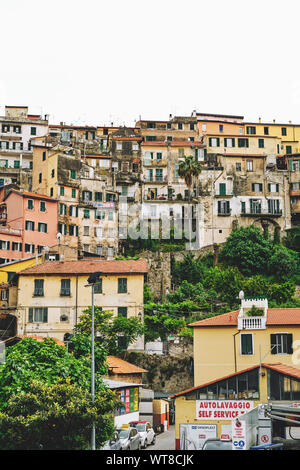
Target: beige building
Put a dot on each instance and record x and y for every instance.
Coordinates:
(53, 295)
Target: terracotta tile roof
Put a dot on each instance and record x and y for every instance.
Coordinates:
(119, 366)
(28, 194)
(275, 316)
(86, 267)
(277, 366)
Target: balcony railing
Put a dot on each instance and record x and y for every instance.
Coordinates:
(252, 323)
(155, 179)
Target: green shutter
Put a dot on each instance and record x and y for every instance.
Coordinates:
(30, 315)
(289, 343)
(45, 314)
(225, 142)
(222, 189)
(273, 344)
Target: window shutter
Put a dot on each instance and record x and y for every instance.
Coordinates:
(218, 142)
(289, 343)
(260, 187)
(253, 187)
(219, 206)
(273, 344)
(209, 141)
(269, 187)
(45, 314)
(233, 142)
(30, 315)
(277, 188)
(247, 143)
(225, 142)
(291, 165)
(227, 207)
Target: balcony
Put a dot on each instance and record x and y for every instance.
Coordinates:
(155, 179)
(155, 163)
(246, 318)
(252, 323)
(10, 231)
(262, 214)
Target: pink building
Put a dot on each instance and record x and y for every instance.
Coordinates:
(28, 222)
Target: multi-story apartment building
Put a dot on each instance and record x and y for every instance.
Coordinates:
(28, 223)
(53, 295)
(17, 128)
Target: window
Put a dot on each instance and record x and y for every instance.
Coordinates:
(29, 248)
(40, 177)
(250, 129)
(33, 131)
(4, 294)
(151, 125)
(16, 246)
(29, 225)
(222, 189)
(73, 193)
(204, 127)
(180, 126)
(42, 227)
(243, 209)
(16, 164)
(158, 156)
(119, 146)
(281, 343)
(266, 130)
(238, 167)
(135, 147)
(62, 209)
(44, 156)
(122, 312)
(98, 196)
(42, 206)
(122, 285)
(257, 187)
(51, 192)
(150, 138)
(110, 251)
(249, 165)
(38, 287)
(17, 129)
(261, 143)
(4, 245)
(273, 187)
(229, 142)
(99, 250)
(38, 315)
(30, 204)
(52, 173)
(220, 127)
(255, 206)
(72, 174)
(5, 128)
(62, 191)
(86, 213)
(192, 127)
(71, 230)
(283, 131)
(169, 138)
(214, 142)
(65, 287)
(246, 344)
(87, 196)
(274, 206)
(86, 230)
(99, 232)
(288, 149)
(223, 207)
(243, 142)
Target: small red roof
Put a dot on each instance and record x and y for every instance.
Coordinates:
(275, 316)
(120, 366)
(31, 195)
(86, 267)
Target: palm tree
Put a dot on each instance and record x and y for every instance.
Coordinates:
(188, 169)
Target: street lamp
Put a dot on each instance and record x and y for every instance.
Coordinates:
(93, 279)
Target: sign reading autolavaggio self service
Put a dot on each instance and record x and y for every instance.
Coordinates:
(222, 409)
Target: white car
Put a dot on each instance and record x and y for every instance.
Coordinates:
(146, 432)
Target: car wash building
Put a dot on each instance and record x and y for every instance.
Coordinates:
(208, 410)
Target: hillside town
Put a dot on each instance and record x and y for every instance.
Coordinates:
(172, 249)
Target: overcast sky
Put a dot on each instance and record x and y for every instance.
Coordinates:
(97, 62)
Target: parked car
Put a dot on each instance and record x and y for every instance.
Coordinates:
(217, 444)
(114, 443)
(130, 438)
(147, 434)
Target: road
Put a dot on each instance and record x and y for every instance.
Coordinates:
(165, 440)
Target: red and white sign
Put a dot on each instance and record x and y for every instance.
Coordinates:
(264, 438)
(238, 435)
(222, 409)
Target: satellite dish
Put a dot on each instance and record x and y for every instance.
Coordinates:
(241, 295)
(58, 235)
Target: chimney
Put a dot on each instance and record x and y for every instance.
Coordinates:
(259, 120)
(274, 121)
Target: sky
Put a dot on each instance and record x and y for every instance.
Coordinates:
(95, 62)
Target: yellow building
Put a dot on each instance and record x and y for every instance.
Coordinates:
(233, 341)
(8, 270)
(208, 410)
(53, 295)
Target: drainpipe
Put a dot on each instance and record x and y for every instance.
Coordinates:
(234, 348)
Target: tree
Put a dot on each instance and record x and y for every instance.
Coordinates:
(115, 334)
(56, 417)
(283, 262)
(248, 250)
(188, 169)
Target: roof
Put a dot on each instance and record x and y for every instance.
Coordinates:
(275, 316)
(86, 267)
(114, 384)
(28, 194)
(277, 366)
(120, 366)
